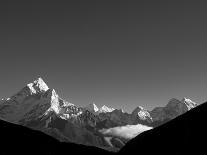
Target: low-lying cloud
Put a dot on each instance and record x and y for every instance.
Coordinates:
(127, 132)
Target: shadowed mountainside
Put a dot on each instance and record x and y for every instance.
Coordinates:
(185, 134)
(16, 139)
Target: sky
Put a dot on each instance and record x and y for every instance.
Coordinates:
(121, 54)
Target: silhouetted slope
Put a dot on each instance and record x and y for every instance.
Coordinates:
(186, 134)
(16, 139)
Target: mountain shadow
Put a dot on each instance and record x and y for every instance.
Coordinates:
(16, 139)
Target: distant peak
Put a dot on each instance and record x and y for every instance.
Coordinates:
(54, 93)
(39, 79)
(40, 82)
(140, 107)
(92, 107)
(104, 106)
(142, 113)
(173, 100)
(106, 109)
(95, 107)
(189, 103)
(38, 86)
(187, 99)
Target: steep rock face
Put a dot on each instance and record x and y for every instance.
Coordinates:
(34, 96)
(158, 114)
(92, 108)
(115, 118)
(37, 86)
(141, 115)
(173, 109)
(75, 132)
(190, 104)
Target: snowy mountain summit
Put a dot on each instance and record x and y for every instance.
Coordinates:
(189, 103)
(143, 114)
(92, 107)
(38, 86)
(105, 109)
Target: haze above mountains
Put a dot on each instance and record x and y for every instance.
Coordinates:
(143, 60)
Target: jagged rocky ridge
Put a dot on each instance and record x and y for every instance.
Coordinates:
(38, 107)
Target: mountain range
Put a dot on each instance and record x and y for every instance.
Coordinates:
(184, 135)
(38, 107)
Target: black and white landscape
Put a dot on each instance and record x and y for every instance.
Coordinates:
(38, 107)
(103, 77)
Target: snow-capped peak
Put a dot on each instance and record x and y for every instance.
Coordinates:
(189, 103)
(3, 99)
(142, 113)
(105, 109)
(38, 86)
(92, 107)
(140, 107)
(95, 107)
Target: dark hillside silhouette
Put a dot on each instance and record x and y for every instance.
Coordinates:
(186, 134)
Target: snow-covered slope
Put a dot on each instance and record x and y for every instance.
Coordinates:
(141, 114)
(33, 95)
(105, 109)
(37, 86)
(92, 108)
(189, 103)
(36, 99)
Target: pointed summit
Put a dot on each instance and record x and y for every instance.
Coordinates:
(142, 113)
(38, 86)
(95, 107)
(92, 107)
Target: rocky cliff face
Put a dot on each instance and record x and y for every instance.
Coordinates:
(173, 109)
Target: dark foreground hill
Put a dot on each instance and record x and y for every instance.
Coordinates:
(186, 134)
(16, 139)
